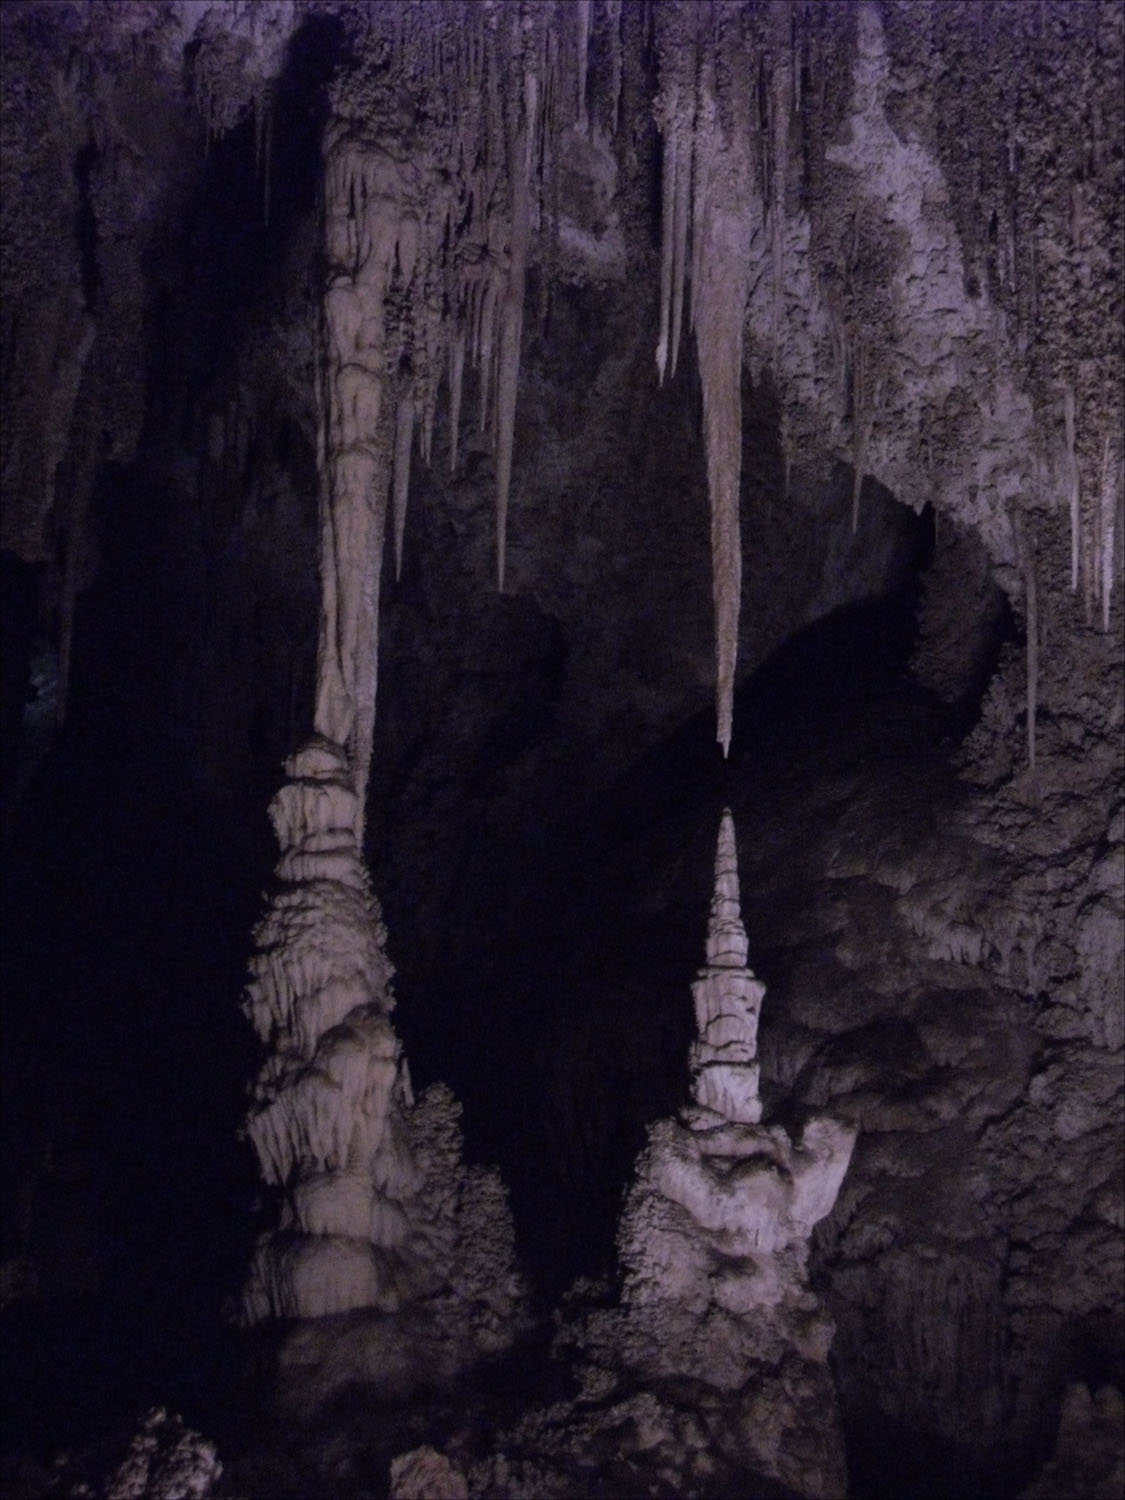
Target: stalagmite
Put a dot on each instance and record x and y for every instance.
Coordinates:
(714, 1237)
(511, 315)
(381, 1217)
(727, 1000)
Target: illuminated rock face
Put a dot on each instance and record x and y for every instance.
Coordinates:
(380, 1217)
(329, 1102)
(714, 1237)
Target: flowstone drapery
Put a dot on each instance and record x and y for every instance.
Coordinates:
(714, 1239)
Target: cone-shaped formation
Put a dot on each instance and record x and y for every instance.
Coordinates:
(708, 224)
(727, 1001)
(714, 1238)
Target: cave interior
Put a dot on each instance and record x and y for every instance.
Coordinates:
(860, 520)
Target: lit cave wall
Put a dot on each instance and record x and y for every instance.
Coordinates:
(452, 451)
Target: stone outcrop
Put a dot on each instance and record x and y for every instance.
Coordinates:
(1089, 1458)
(166, 1461)
(714, 1237)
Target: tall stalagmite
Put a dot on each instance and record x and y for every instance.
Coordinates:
(727, 1000)
(715, 1233)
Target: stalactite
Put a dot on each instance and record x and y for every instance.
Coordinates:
(262, 109)
(511, 313)
(584, 13)
(456, 379)
(667, 237)
(707, 194)
(681, 209)
(82, 485)
(723, 228)
(485, 341)
(1107, 516)
(1025, 553)
(364, 231)
(1032, 651)
(859, 425)
(404, 437)
(613, 19)
(867, 384)
(1073, 484)
(675, 111)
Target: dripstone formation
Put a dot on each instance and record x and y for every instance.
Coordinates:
(714, 1238)
(534, 373)
(379, 1215)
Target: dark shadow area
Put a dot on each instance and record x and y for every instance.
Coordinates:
(131, 882)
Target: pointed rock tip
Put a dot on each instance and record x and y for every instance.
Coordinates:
(727, 891)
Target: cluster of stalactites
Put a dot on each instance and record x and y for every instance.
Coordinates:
(1095, 515)
(427, 257)
(728, 999)
(709, 187)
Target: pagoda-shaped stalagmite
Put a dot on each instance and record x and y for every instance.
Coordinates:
(714, 1240)
(727, 1001)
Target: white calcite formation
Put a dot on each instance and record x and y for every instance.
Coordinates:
(328, 1108)
(166, 1461)
(714, 1237)
(707, 227)
(380, 1217)
(727, 1001)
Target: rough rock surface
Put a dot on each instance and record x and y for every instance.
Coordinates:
(944, 958)
(166, 1461)
(1089, 1456)
(425, 1474)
